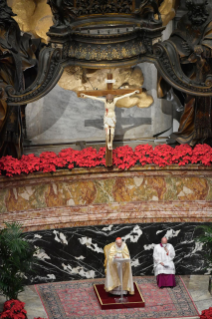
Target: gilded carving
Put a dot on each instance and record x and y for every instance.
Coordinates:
(102, 7)
(106, 52)
(33, 16)
(36, 16)
(167, 11)
(78, 79)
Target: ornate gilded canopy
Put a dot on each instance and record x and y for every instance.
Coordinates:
(105, 33)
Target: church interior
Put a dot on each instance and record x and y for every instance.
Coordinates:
(105, 159)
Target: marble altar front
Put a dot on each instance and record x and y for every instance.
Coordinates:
(100, 196)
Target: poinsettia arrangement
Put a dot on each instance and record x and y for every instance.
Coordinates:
(206, 314)
(124, 158)
(13, 309)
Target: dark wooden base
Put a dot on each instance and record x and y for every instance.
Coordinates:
(108, 301)
(109, 157)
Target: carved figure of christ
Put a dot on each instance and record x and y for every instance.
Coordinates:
(110, 115)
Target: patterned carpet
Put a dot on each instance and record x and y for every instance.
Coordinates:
(77, 299)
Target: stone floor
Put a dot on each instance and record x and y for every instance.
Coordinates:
(198, 289)
(197, 286)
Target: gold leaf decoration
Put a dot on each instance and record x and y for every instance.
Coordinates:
(33, 16)
(167, 11)
(77, 79)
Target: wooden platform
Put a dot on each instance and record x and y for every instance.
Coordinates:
(107, 300)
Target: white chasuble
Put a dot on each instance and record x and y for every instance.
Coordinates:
(112, 280)
(160, 255)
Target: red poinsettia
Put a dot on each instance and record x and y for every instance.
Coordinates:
(144, 154)
(202, 153)
(48, 161)
(206, 314)
(88, 157)
(10, 165)
(124, 157)
(13, 309)
(182, 154)
(29, 163)
(101, 156)
(67, 156)
(162, 155)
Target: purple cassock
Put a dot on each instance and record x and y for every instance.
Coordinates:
(164, 280)
(165, 273)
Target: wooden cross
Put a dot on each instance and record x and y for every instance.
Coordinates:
(114, 92)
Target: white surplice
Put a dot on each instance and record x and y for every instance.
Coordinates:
(160, 255)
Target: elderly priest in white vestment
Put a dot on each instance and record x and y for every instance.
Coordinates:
(164, 268)
(114, 251)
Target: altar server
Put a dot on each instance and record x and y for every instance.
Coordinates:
(164, 268)
(114, 251)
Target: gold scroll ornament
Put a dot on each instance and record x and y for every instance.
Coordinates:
(35, 16)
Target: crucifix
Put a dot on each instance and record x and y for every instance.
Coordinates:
(110, 116)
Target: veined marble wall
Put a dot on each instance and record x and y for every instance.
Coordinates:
(77, 253)
(102, 196)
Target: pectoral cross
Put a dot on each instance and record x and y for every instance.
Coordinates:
(109, 109)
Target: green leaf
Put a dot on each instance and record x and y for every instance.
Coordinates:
(16, 259)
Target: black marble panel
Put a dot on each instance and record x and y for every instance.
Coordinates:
(77, 253)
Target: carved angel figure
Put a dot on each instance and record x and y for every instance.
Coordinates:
(18, 53)
(193, 42)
